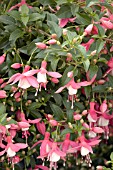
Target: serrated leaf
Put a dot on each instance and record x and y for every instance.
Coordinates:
(2, 108)
(99, 45)
(90, 3)
(7, 19)
(65, 131)
(87, 91)
(15, 14)
(82, 50)
(57, 111)
(25, 19)
(58, 99)
(83, 18)
(74, 9)
(54, 28)
(69, 115)
(93, 70)
(99, 88)
(64, 12)
(86, 64)
(35, 17)
(15, 35)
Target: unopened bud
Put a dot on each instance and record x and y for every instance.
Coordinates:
(54, 36)
(64, 32)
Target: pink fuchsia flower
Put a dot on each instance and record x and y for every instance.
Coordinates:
(41, 127)
(42, 75)
(106, 23)
(54, 155)
(73, 87)
(91, 29)
(16, 65)
(92, 115)
(110, 65)
(41, 45)
(11, 148)
(67, 143)
(2, 94)
(63, 22)
(41, 167)
(2, 58)
(88, 44)
(45, 146)
(23, 2)
(26, 79)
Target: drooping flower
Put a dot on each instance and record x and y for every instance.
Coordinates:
(2, 94)
(42, 75)
(12, 148)
(88, 44)
(63, 22)
(73, 87)
(23, 2)
(26, 79)
(2, 58)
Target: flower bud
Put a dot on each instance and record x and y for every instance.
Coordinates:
(2, 58)
(54, 80)
(53, 122)
(84, 112)
(41, 45)
(99, 167)
(3, 85)
(54, 36)
(64, 32)
(77, 117)
(52, 41)
(1, 80)
(16, 65)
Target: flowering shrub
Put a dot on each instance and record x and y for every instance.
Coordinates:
(56, 82)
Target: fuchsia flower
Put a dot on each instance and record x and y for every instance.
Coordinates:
(84, 145)
(54, 155)
(23, 2)
(73, 87)
(92, 115)
(91, 29)
(106, 23)
(16, 65)
(88, 44)
(110, 64)
(63, 22)
(2, 94)
(26, 79)
(45, 146)
(2, 58)
(42, 75)
(11, 148)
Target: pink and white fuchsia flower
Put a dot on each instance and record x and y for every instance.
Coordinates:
(26, 79)
(73, 87)
(42, 75)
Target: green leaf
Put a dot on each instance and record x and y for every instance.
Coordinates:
(110, 80)
(82, 50)
(15, 14)
(83, 18)
(69, 115)
(58, 99)
(93, 70)
(25, 19)
(111, 156)
(87, 91)
(2, 108)
(64, 12)
(86, 64)
(101, 31)
(15, 35)
(90, 3)
(7, 19)
(79, 105)
(35, 17)
(34, 105)
(74, 9)
(24, 14)
(71, 35)
(99, 45)
(65, 131)
(99, 88)
(57, 111)
(54, 28)
(2, 118)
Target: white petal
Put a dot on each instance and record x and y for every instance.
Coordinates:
(48, 148)
(103, 122)
(41, 78)
(10, 152)
(54, 157)
(71, 91)
(92, 134)
(84, 151)
(90, 118)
